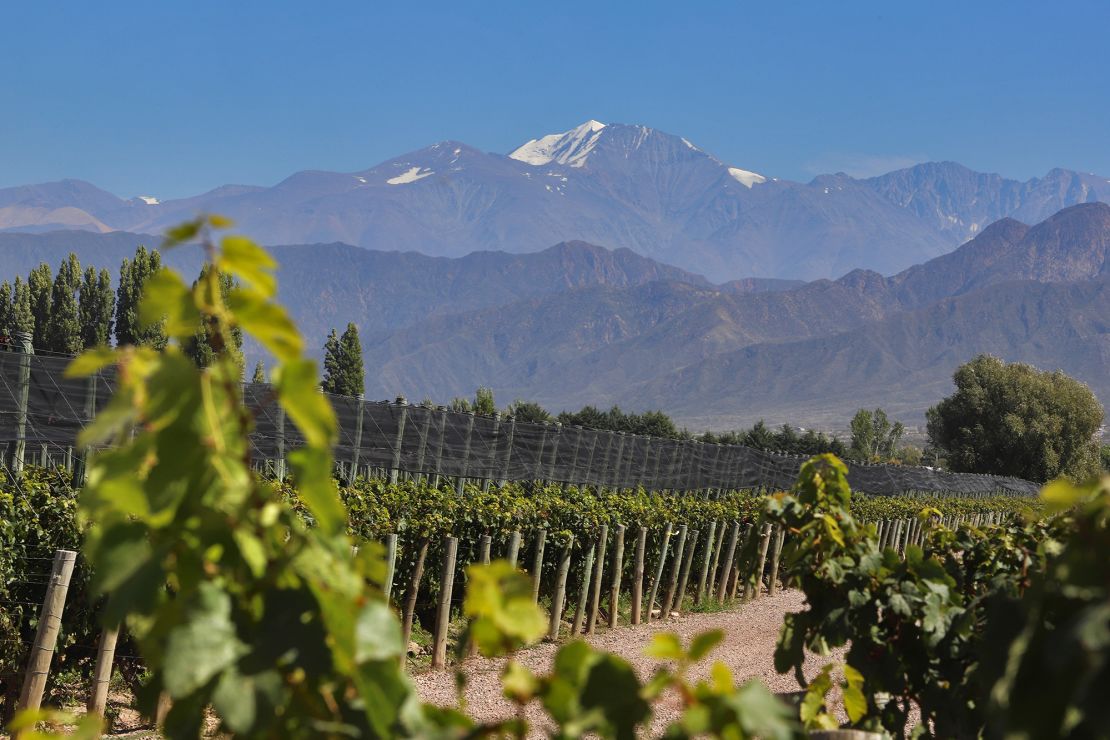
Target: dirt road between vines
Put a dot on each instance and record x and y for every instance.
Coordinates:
(748, 649)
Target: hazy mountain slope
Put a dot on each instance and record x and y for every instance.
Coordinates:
(327, 285)
(617, 185)
(903, 363)
(604, 344)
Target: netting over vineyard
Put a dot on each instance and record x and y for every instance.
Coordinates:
(46, 410)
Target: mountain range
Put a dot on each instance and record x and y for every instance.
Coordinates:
(577, 323)
(621, 186)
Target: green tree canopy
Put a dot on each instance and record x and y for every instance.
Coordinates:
(63, 328)
(528, 411)
(133, 274)
(652, 423)
(206, 343)
(1012, 419)
(259, 373)
(96, 308)
(786, 439)
(874, 437)
(23, 315)
(343, 370)
(40, 284)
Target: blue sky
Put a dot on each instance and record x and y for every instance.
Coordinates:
(170, 99)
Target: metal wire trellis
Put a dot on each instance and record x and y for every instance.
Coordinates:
(42, 412)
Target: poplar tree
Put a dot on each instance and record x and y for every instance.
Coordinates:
(6, 311)
(40, 285)
(23, 316)
(201, 347)
(133, 274)
(63, 328)
(343, 371)
(96, 307)
(259, 373)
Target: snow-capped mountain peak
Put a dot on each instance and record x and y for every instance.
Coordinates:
(569, 148)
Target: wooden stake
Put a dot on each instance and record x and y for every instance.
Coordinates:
(764, 544)
(722, 583)
(443, 612)
(102, 673)
(46, 635)
(676, 571)
(685, 576)
(390, 564)
(615, 584)
(537, 564)
(659, 565)
(638, 575)
(559, 595)
(776, 554)
(413, 591)
(706, 557)
(584, 590)
(514, 548)
(599, 571)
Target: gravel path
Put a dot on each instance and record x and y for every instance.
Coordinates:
(748, 649)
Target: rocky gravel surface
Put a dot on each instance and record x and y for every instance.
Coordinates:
(748, 649)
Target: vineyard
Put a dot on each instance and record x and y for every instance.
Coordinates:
(286, 601)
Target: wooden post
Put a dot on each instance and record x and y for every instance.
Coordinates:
(776, 554)
(764, 544)
(537, 564)
(508, 450)
(22, 398)
(708, 554)
(461, 482)
(638, 575)
(390, 564)
(50, 623)
(684, 578)
(443, 612)
(414, 590)
(496, 438)
(395, 470)
(615, 583)
(599, 571)
(102, 673)
(676, 571)
(483, 558)
(356, 447)
(659, 565)
(439, 445)
(722, 583)
(734, 580)
(81, 463)
(514, 548)
(560, 590)
(279, 443)
(711, 587)
(584, 590)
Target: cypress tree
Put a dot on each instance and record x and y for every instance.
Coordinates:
(343, 371)
(133, 274)
(201, 347)
(6, 312)
(23, 316)
(96, 307)
(259, 373)
(331, 363)
(353, 379)
(63, 329)
(40, 284)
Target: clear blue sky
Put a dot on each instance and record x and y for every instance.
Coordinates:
(172, 98)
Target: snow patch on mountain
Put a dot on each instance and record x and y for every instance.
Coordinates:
(746, 178)
(410, 175)
(150, 200)
(569, 148)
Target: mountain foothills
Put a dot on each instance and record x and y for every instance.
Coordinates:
(579, 324)
(623, 186)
